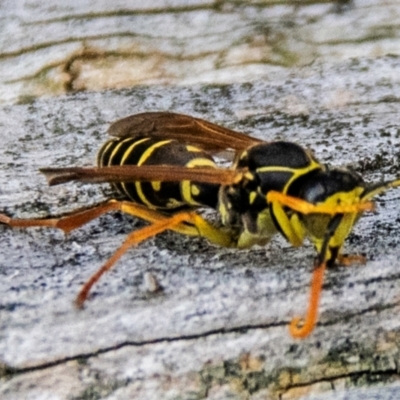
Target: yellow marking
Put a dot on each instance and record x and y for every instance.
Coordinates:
(215, 235)
(316, 229)
(351, 197)
(223, 213)
(272, 168)
(100, 155)
(193, 149)
(185, 185)
(129, 150)
(290, 229)
(265, 229)
(252, 197)
(126, 155)
(244, 155)
(195, 190)
(200, 162)
(296, 172)
(298, 227)
(248, 239)
(249, 176)
(156, 185)
(186, 193)
(143, 158)
(173, 203)
(118, 148)
(150, 150)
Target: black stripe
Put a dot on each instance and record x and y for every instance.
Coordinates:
(170, 153)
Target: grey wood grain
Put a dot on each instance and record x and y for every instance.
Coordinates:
(54, 47)
(219, 327)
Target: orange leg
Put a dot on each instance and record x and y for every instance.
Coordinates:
(348, 260)
(133, 239)
(188, 223)
(300, 328)
(77, 219)
(66, 223)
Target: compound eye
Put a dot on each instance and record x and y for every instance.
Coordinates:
(314, 193)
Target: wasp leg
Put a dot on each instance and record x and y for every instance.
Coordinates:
(133, 239)
(305, 207)
(195, 226)
(66, 223)
(300, 328)
(76, 219)
(188, 223)
(290, 226)
(350, 259)
(177, 223)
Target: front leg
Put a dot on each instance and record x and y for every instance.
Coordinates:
(348, 260)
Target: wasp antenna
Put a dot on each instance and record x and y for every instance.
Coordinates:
(379, 188)
(57, 176)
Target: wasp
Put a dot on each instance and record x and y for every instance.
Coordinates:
(164, 165)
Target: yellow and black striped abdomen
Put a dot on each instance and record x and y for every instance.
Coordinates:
(156, 194)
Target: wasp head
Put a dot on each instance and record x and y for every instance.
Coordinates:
(331, 188)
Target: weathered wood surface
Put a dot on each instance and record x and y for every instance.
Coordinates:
(52, 47)
(219, 327)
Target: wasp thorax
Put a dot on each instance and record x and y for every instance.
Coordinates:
(275, 154)
(277, 165)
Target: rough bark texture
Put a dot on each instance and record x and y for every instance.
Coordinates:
(218, 329)
(52, 47)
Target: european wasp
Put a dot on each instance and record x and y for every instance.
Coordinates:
(164, 166)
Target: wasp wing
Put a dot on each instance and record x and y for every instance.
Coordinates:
(143, 173)
(187, 129)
